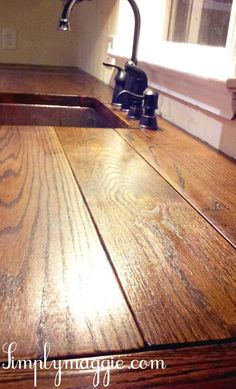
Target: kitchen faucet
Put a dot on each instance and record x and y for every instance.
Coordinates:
(131, 78)
(64, 23)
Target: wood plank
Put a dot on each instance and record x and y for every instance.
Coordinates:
(56, 110)
(205, 178)
(56, 284)
(18, 80)
(177, 271)
(62, 82)
(211, 367)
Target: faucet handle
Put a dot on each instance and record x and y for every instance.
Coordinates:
(136, 82)
(148, 117)
(112, 66)
(120, 80)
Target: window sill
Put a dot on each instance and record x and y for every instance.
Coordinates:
(215, 96)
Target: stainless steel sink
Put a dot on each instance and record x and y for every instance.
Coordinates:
(51, 110)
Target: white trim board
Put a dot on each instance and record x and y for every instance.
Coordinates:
(215, 96)
(217, 132)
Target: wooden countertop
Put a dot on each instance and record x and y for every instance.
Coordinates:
(115, 242)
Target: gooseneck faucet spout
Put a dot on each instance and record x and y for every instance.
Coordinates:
(64, 23)
(137, 25)
(131, 79)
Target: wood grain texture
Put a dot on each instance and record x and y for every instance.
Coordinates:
(206, 367)
(205, 178)
(56, 284)
(56, 110)
(177, 271)
(42, 80)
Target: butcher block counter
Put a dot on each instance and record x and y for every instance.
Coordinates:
(115, 243)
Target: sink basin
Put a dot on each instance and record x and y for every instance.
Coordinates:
(56, 110)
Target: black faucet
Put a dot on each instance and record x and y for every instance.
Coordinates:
(64, 22)
(145, 112)
(131, 78)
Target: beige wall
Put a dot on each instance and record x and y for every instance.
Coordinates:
(96, 21)
(39, 41)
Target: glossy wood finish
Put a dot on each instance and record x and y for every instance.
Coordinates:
(49, 81)
(56, 284)
(206, 367)
(189, 165)
(205, 178)
(177, 271)
(56, 110)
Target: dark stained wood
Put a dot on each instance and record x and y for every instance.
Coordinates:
(52, 100)
(206, 367)
(40, 80)
(56, 284)
(177, 271)
(56, 110)
(205, 178)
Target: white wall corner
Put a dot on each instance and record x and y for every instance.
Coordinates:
(208, 94)
(205, 108)
(211, 95)
(217, 132)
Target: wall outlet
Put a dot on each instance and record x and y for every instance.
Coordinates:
(9, 38)
(110, 43)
